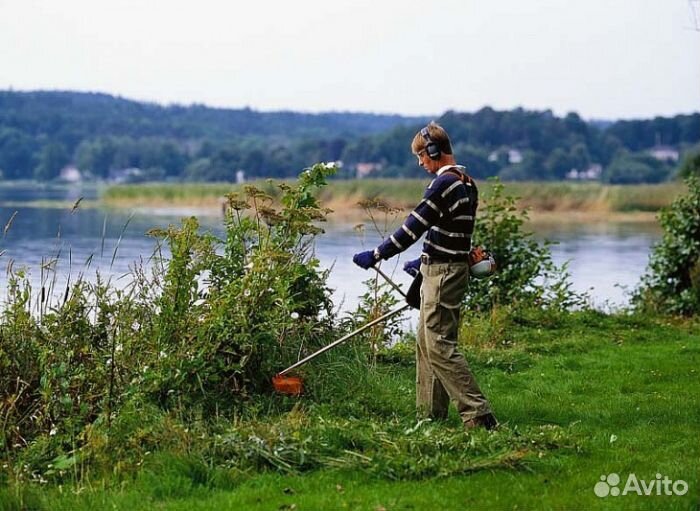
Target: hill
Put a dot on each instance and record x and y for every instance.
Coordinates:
(109, 137)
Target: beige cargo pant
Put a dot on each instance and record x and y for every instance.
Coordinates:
(442, 373)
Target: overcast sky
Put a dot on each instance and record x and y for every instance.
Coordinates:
(602, 58)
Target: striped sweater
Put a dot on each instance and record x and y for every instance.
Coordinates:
(446, 212)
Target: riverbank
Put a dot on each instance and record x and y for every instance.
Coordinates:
(547, 202)
(580, 396)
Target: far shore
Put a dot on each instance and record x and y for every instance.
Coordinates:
(546, 203)
(550, 202)
(344, 212)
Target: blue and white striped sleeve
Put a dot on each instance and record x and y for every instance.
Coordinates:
(425, 215)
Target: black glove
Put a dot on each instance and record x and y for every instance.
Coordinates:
(412, 267)
(364, 260)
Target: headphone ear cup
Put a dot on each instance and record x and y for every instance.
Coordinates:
(433, 151)
(431, 147)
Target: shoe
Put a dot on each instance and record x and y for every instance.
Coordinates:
(487, 422)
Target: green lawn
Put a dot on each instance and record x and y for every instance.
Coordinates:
(580, 395)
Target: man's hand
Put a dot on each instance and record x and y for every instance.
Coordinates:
(364, 260)
(412, 267)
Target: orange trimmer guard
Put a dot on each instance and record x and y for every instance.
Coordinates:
(291, 385)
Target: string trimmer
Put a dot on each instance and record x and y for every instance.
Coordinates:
(293, 385)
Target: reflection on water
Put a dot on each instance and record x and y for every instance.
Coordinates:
(604, 259)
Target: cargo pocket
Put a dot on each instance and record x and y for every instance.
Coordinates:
(450, 295)
(432, 285)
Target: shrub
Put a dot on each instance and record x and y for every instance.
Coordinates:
(203, 331)
(526, 273)
(671, 283)
(265, 301)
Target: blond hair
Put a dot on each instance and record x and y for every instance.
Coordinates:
(437, 134)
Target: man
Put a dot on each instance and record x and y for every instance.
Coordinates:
(447, 213)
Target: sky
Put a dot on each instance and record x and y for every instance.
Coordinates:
(605, 59)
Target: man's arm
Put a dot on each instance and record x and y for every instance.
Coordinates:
(425, 214)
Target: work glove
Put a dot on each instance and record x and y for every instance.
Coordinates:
(412, 267)
(364, 260)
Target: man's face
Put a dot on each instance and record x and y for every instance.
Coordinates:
(424, 161)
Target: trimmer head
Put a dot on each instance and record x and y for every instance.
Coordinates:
(291, 385)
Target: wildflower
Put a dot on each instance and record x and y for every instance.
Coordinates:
(246, 292)
(329, 164)
(53, 431)
(294, 315)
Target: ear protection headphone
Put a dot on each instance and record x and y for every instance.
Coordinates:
(431, 148)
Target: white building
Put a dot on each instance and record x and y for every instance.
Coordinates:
(512, 155)
(70, 174)
(364, 169)
(592, 173)
(664, 153)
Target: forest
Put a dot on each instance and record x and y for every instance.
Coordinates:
(116, 139)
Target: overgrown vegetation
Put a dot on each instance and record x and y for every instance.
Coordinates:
(581, 394)
(160, 391)
(199, 334)
(672, 282)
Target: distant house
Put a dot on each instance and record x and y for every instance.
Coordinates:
(364, 169)
(510, 154)
(664, 153)
(592, 173)
(125, 175)
(70, 174)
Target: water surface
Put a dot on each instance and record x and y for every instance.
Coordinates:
(605, 259)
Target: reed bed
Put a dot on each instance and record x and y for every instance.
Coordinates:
(344, 195)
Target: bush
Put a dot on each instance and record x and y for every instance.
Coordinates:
(671, 283)
(202, 332)
(526, 274)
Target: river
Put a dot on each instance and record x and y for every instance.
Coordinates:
(606, 260)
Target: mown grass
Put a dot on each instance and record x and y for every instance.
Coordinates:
(342, 195)
(579, 394)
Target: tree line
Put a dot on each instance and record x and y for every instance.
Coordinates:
(43, 132)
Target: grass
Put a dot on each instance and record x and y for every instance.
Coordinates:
(344, 195)
(580, 394)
